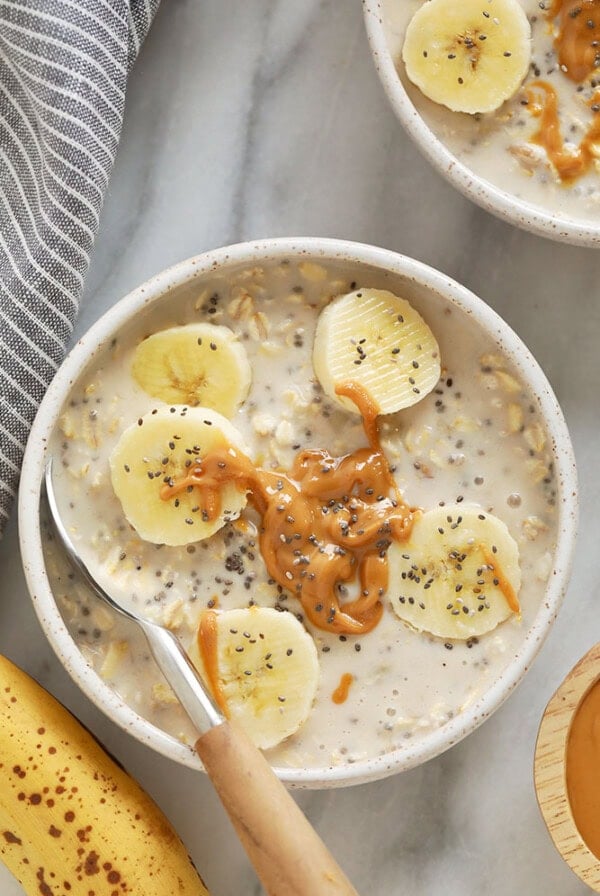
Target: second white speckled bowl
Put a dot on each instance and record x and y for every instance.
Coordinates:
(501, 203)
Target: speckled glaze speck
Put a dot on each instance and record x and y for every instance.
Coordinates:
(501, 203)
(401, 273)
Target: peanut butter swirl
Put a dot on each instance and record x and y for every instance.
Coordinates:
(577, 43)
(327, 523)
(577, 39)
(568, 163)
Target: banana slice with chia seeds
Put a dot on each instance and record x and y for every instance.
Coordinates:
(152, 471)
(377, 341)
(470, 55)
(197, 364)
(262, 668)
(458, 574)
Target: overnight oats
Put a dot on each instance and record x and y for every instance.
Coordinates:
(512, 88)
(342, 502)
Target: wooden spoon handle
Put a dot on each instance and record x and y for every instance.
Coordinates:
(288, 855)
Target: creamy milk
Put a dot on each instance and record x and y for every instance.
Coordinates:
(477, 437)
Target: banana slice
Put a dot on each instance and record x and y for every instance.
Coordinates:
(199, 364)
(468, 55)
(152, 475)
(458, 574)
(262, 668)
(373, 339)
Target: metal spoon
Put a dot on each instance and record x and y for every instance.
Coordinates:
(288, 856)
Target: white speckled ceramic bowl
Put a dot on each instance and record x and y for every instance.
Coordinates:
(386, 42)
(364, 263)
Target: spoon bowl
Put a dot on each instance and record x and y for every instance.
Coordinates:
(170, 656)
(550, 768)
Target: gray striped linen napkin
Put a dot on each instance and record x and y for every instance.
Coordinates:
(63, 74)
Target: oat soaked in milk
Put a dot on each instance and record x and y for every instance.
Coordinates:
(542, 144)
(476, 438)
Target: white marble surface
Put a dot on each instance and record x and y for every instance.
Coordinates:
(264, 119)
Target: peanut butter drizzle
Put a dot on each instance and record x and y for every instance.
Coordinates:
(582, 762)
(578, 38)
(569, 165)
(577, 43)
(340, 695)
(369, 413)
(327, 523)
(503, 584)
(207, 645)
(367, 409)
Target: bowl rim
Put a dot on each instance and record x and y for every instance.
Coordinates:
(318, 249)
(505, 205)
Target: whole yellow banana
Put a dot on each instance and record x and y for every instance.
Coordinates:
(72, 823)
